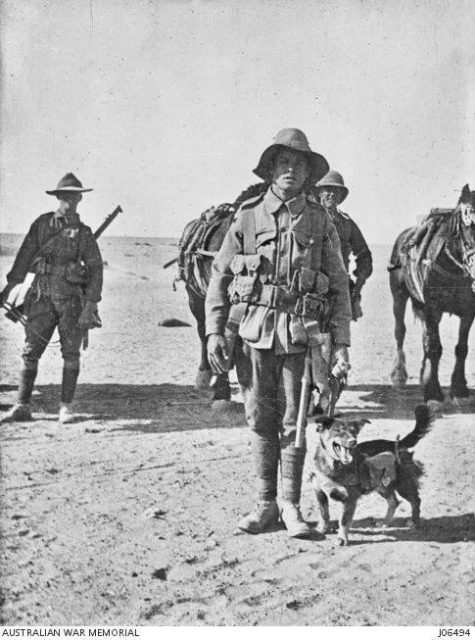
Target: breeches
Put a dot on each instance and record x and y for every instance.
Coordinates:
(272, 399)
(43, 316)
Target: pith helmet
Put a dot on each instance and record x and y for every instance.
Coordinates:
(334, 179)
(297, 141)
(68, 183)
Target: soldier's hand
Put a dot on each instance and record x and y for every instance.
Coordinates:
(356, 310)
(218, 353)
(89, 318)
(341, 360)
(5, 293)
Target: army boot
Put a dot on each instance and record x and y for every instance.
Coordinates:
(264, 516)
(66, 416)
(294, 522)
(21, 412)
(18, 413)
(68, 387)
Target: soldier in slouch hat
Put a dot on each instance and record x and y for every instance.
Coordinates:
(64, 256)
(281, 265)
(332, 191)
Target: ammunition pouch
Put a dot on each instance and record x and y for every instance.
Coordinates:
(310, 300)
(41, 266)
(76, 273)
(246, 272)
(72, 272)
(308, 305)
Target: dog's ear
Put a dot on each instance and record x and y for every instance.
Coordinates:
(323, 422)
(357, 425)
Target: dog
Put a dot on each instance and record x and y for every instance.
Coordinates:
(344, 469)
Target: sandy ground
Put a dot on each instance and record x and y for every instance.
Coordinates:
(129, 515)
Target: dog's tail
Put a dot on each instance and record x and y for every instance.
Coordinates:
(424, 423)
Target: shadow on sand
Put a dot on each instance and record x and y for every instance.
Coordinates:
(443, 529)
(154, 408)
(385, 402)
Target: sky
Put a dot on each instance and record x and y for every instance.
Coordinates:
(165, 107)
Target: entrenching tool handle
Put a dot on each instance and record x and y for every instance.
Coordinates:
(304, 402)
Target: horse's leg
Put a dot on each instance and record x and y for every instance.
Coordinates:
(432, 354)
(400, 297)
(197, 307)
(221, 388)
(458, 387)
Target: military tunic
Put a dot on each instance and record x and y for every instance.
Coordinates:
(289, 236)
(353, 242)
(50, 246)
(293, 236)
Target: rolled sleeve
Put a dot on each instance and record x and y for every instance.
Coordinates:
(25, 256)
(216, 303)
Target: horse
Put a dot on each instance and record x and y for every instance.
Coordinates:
(443, 282)
(200, 242)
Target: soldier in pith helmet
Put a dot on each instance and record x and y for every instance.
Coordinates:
(281, 265)
(64, 256)
(332, 192)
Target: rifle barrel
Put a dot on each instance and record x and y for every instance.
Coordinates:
(169, 264)
(107, 221)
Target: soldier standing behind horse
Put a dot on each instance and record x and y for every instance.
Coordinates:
(332, 192)
(281, 263)
(65, 257)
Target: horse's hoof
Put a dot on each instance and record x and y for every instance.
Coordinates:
(203, 379)
(398, 384)
(341, 542)
(399, 378)
(222, 406)
(435, 405)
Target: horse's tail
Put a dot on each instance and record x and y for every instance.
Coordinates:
(424, 423)
(417, 308)
(399, 247)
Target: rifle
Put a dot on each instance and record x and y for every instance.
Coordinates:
(110, 218)
(14, 312)
(169, 263)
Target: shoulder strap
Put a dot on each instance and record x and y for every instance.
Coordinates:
(249, 231)
(83, 240)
